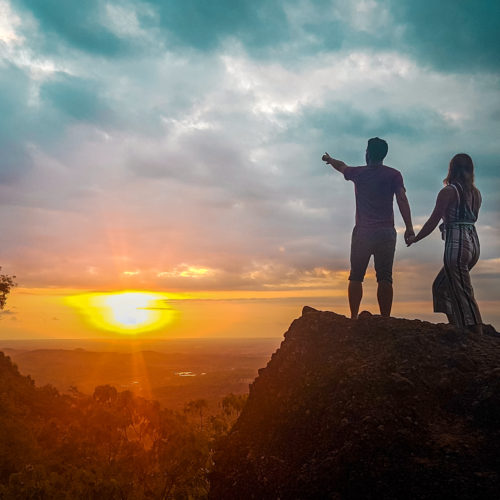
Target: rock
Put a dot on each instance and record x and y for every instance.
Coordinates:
(379, 408)
(365, 315)
(308, 310)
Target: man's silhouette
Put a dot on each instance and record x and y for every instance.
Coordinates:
(374, 233)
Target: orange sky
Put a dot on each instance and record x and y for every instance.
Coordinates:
(45, 313)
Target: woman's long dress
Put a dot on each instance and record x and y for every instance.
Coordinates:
(452, 289)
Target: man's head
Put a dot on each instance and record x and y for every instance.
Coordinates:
(376, 150)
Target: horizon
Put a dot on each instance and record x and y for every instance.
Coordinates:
(173, 151)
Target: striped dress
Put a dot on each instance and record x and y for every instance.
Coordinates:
(452, 289)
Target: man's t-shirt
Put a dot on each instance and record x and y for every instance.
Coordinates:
(375, 187)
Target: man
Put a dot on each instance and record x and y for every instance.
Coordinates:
(374, 234)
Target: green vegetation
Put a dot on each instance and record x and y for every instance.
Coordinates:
(112, 445)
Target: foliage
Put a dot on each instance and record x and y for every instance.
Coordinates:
(112, 445)
(6, 284)
(197, 407)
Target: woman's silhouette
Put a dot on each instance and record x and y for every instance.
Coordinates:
(458, 205)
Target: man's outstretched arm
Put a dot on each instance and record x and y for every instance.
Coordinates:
(336, 164)
(404, 208)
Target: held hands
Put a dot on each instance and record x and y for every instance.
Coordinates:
(411, 240)
(409, 237)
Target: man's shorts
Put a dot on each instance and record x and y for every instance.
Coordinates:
(379, 242)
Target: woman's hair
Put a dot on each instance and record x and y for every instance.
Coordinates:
(461, 170)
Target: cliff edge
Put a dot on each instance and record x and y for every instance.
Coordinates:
(374, 408)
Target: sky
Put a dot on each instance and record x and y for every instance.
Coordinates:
(176, 147)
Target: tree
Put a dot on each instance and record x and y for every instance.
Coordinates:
(233, 404)
(6, 283)
(197, 406)
(105, 394)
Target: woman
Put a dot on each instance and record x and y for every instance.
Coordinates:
(458, 205)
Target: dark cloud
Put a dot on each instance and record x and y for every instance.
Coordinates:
(203, 24)
(452, 35)
(36, 116)
(15, 117)
(342, 118)
(77, 98)
(77, 23)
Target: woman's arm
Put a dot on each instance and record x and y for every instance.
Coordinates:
(444, 198)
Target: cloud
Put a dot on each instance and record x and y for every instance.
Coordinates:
(187, 271)
(165, 138)
(15, 157)
(79, 24)
(447, 35)
(77, 98)
(204, 25)
(451, 35)
(336, 119)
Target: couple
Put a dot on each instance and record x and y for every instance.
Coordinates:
(457, 205)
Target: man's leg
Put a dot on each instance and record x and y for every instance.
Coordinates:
(355, 295)
(360, 256)
(383, 257)
(384, 297)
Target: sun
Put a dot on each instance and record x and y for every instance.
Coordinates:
(126, 312)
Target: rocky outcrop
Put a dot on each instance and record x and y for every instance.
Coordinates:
(374, 408)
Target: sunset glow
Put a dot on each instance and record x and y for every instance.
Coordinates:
(128, 312)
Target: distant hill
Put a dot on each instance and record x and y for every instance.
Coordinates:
(180, 372)
(370, 409)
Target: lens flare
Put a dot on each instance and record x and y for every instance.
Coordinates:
(127, 312)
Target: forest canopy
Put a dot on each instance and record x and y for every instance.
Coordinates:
(112, 444)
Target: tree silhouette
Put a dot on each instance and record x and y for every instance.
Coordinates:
(232, 404)
(105, 394)
(197, 406)
(6, 283)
